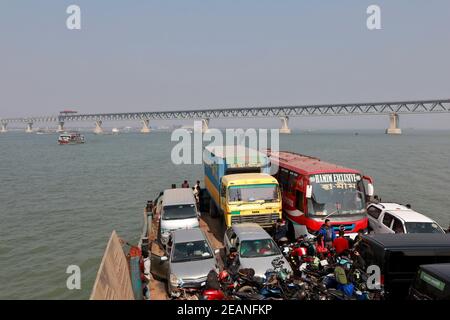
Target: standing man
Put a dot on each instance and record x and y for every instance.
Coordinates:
(341, 243)
(326, 230)
(232, 263)
(185, 184)
(358, 239)
(197, 194)
(280, 231)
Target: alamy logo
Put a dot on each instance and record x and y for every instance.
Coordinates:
(74, 280)
(374, 18)
(190, 147)
(73, 21)
(374, 279)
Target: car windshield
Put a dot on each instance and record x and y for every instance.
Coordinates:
(422, 227)
(337, 194)
(184, 211)
(190, 251)
(253, 192)
(258, 248)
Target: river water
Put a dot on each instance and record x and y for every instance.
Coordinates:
(59, 204)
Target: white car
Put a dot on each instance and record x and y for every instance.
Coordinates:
(176, 209)
(397, 218)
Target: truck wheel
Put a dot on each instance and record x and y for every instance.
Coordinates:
(212, 209)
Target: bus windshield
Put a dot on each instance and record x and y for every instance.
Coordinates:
(336, 194)
(254, 192)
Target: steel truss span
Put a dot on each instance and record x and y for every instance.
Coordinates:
(377, 108)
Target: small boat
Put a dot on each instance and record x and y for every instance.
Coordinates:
(44, 131)
(115, 131)
(70, 138)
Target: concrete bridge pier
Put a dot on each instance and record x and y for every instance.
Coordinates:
(60, 126)
(4, 125)
(29, 128)
(145, 127)
(205, 125)
(98, 127)
(285, 125)
(394, 122)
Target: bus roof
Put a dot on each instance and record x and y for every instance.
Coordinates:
(306, 164)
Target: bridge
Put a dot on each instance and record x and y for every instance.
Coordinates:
(392, 109)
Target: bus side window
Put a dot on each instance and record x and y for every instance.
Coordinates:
(292, 182)
(299, 197)
(283, 179)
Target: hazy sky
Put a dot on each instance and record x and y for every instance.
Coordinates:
(161, 55)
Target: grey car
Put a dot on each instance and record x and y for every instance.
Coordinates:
(255, 247)
(191, 259)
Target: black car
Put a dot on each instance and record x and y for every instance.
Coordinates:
(432, 283)
(400, 255)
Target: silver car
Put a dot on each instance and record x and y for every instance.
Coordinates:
(255, 247)
(177, 210)
(191, 259)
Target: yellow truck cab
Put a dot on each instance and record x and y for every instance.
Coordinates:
(241, 188)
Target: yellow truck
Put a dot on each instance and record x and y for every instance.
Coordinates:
(240, 187)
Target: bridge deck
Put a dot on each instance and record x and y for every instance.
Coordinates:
(371, 108)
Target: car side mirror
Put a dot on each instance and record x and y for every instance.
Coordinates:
(164, 258)
(309, 191)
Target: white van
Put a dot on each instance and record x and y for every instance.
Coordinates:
(397, 218)
(178, 211)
